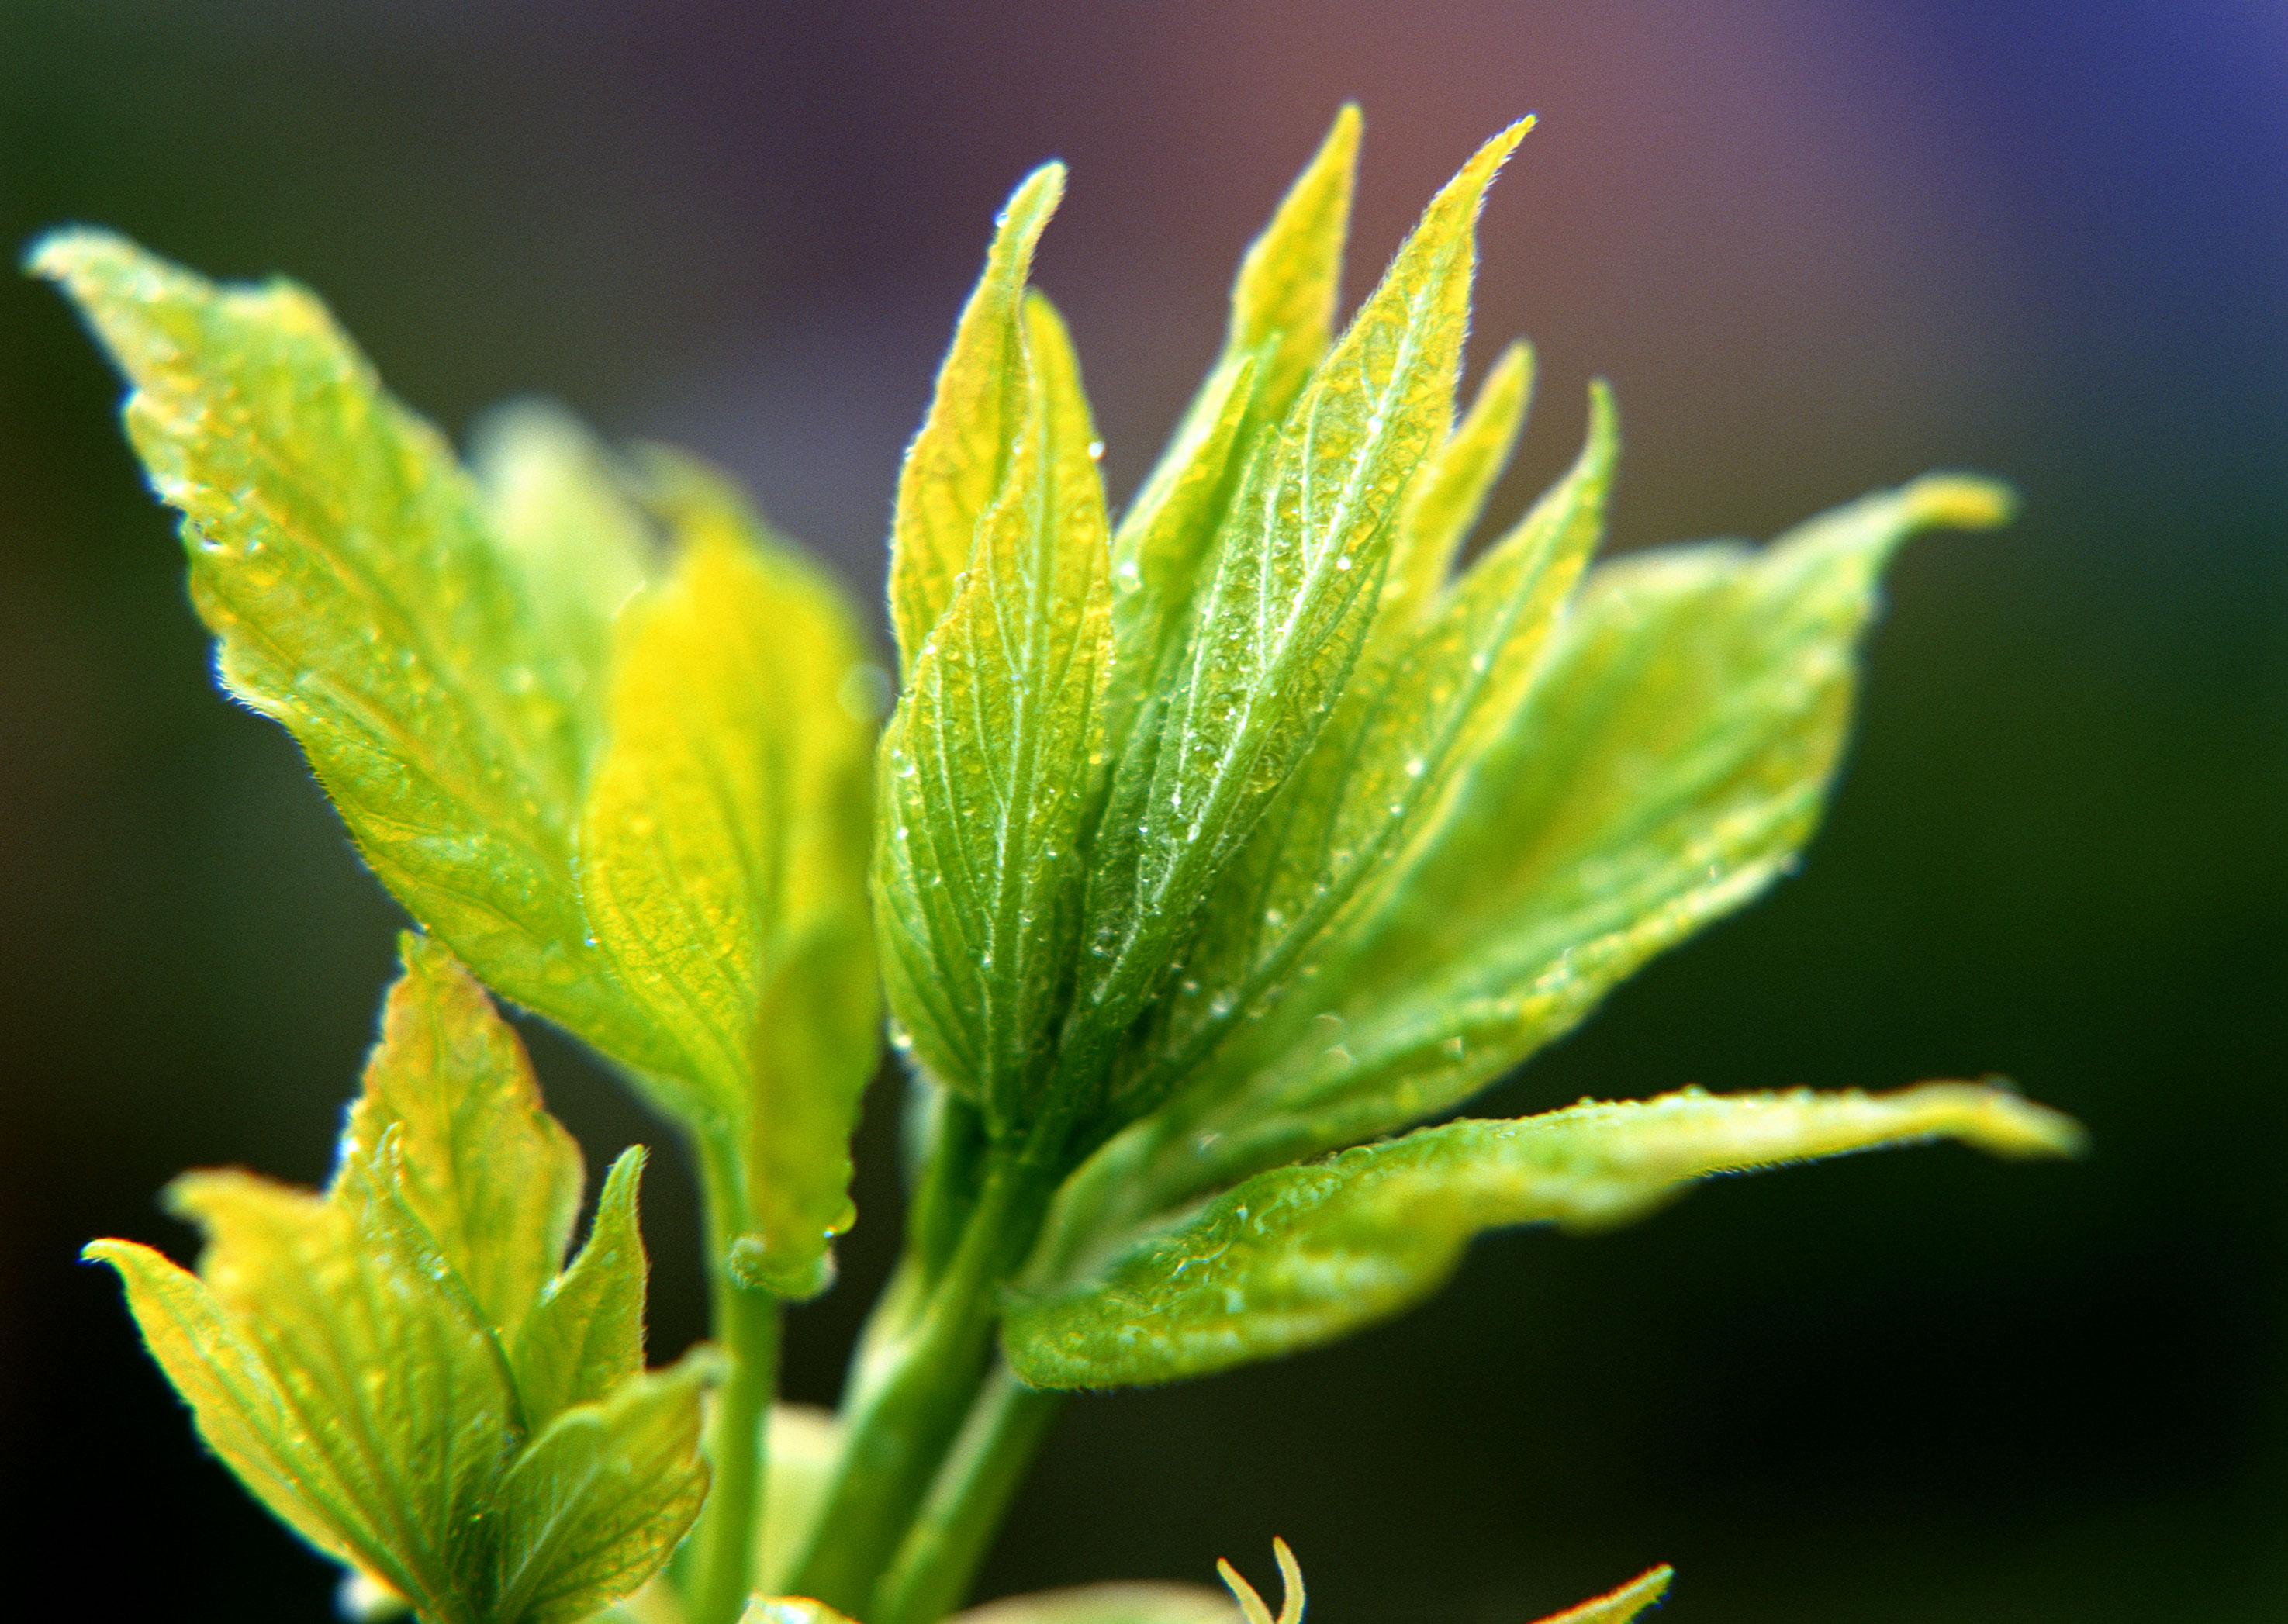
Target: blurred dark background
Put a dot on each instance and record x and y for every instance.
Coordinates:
(1819, 247)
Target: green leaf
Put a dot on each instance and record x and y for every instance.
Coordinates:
(345, 1354)
(1667, 762)
(1301, 1255)
(1408, 732)
(596, 1504)
(492, 1178)
(805, 1442)
(586, 1335)
(1276, 626)
(1284, 300)
(723, 852)
(351, 572)
(1129, 1602)
(954, 468)
(1283, 313)
(994, 762)
(1619, 1606)
(1449, 493)
(580, 549)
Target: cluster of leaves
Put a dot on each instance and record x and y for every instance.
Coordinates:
(398, 1368)
(1208, 849)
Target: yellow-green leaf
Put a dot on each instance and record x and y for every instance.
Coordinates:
(351, 572)
(723, 853)
(1300, 1256)
(586, 1335)
(342, 1352)
(1283, 299)
(1409, 734)
(994, 762)
(1283, 313)
(597, 1502)
(1120, 1602)
(954, 465)
(1280, 616)
(1668, 761)
(492, 1176)
(1619, 1606)
(1449, 493)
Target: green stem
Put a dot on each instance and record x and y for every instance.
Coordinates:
(920, 1385)
(746, 1326)
(939, 1559)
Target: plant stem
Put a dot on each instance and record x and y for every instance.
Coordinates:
(746, 1326)
(939, 1556)
(920, 1386)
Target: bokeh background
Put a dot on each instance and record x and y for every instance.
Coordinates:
(1818, 247)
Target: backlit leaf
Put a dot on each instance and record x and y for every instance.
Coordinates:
(350, 570)
(1619, 1606)
(347, 1355)
(994, 761)
(1300, 1256)
(723, 853)
(1449, 493)
(1280, 615)
(954, 468)
(1667, 762)
(1283, 313)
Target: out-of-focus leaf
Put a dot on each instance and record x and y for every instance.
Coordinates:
(346, 1355)
(1619, 1606)
(791, 1610)
(723, 854)
(1250, 1602)
(350, 573)
(1280, 616)
(805, 1443)
(994, 762)
(1132, 1601)
(580, 548)
(1449, 493)
(954, 468)
(1300, 1256)
(1667, 762)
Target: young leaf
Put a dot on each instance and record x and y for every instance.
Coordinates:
(595, 1505)
(1281, 616)
(1408, 730)
(346, 1355)
(723, 852)
(954, 468)
(1250, 1602)
(565, 525)
(351, 574)
(493, 1178)
(1451, 491)
(994, 761)
(586, 1335)
(1283, 299)
(1301, 1255)
(1619, 1606)
(1667, 762)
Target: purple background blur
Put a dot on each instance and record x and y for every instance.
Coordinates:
(1817, 246)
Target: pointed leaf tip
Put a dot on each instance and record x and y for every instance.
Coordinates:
(1959, 501)
(1622, 1605)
